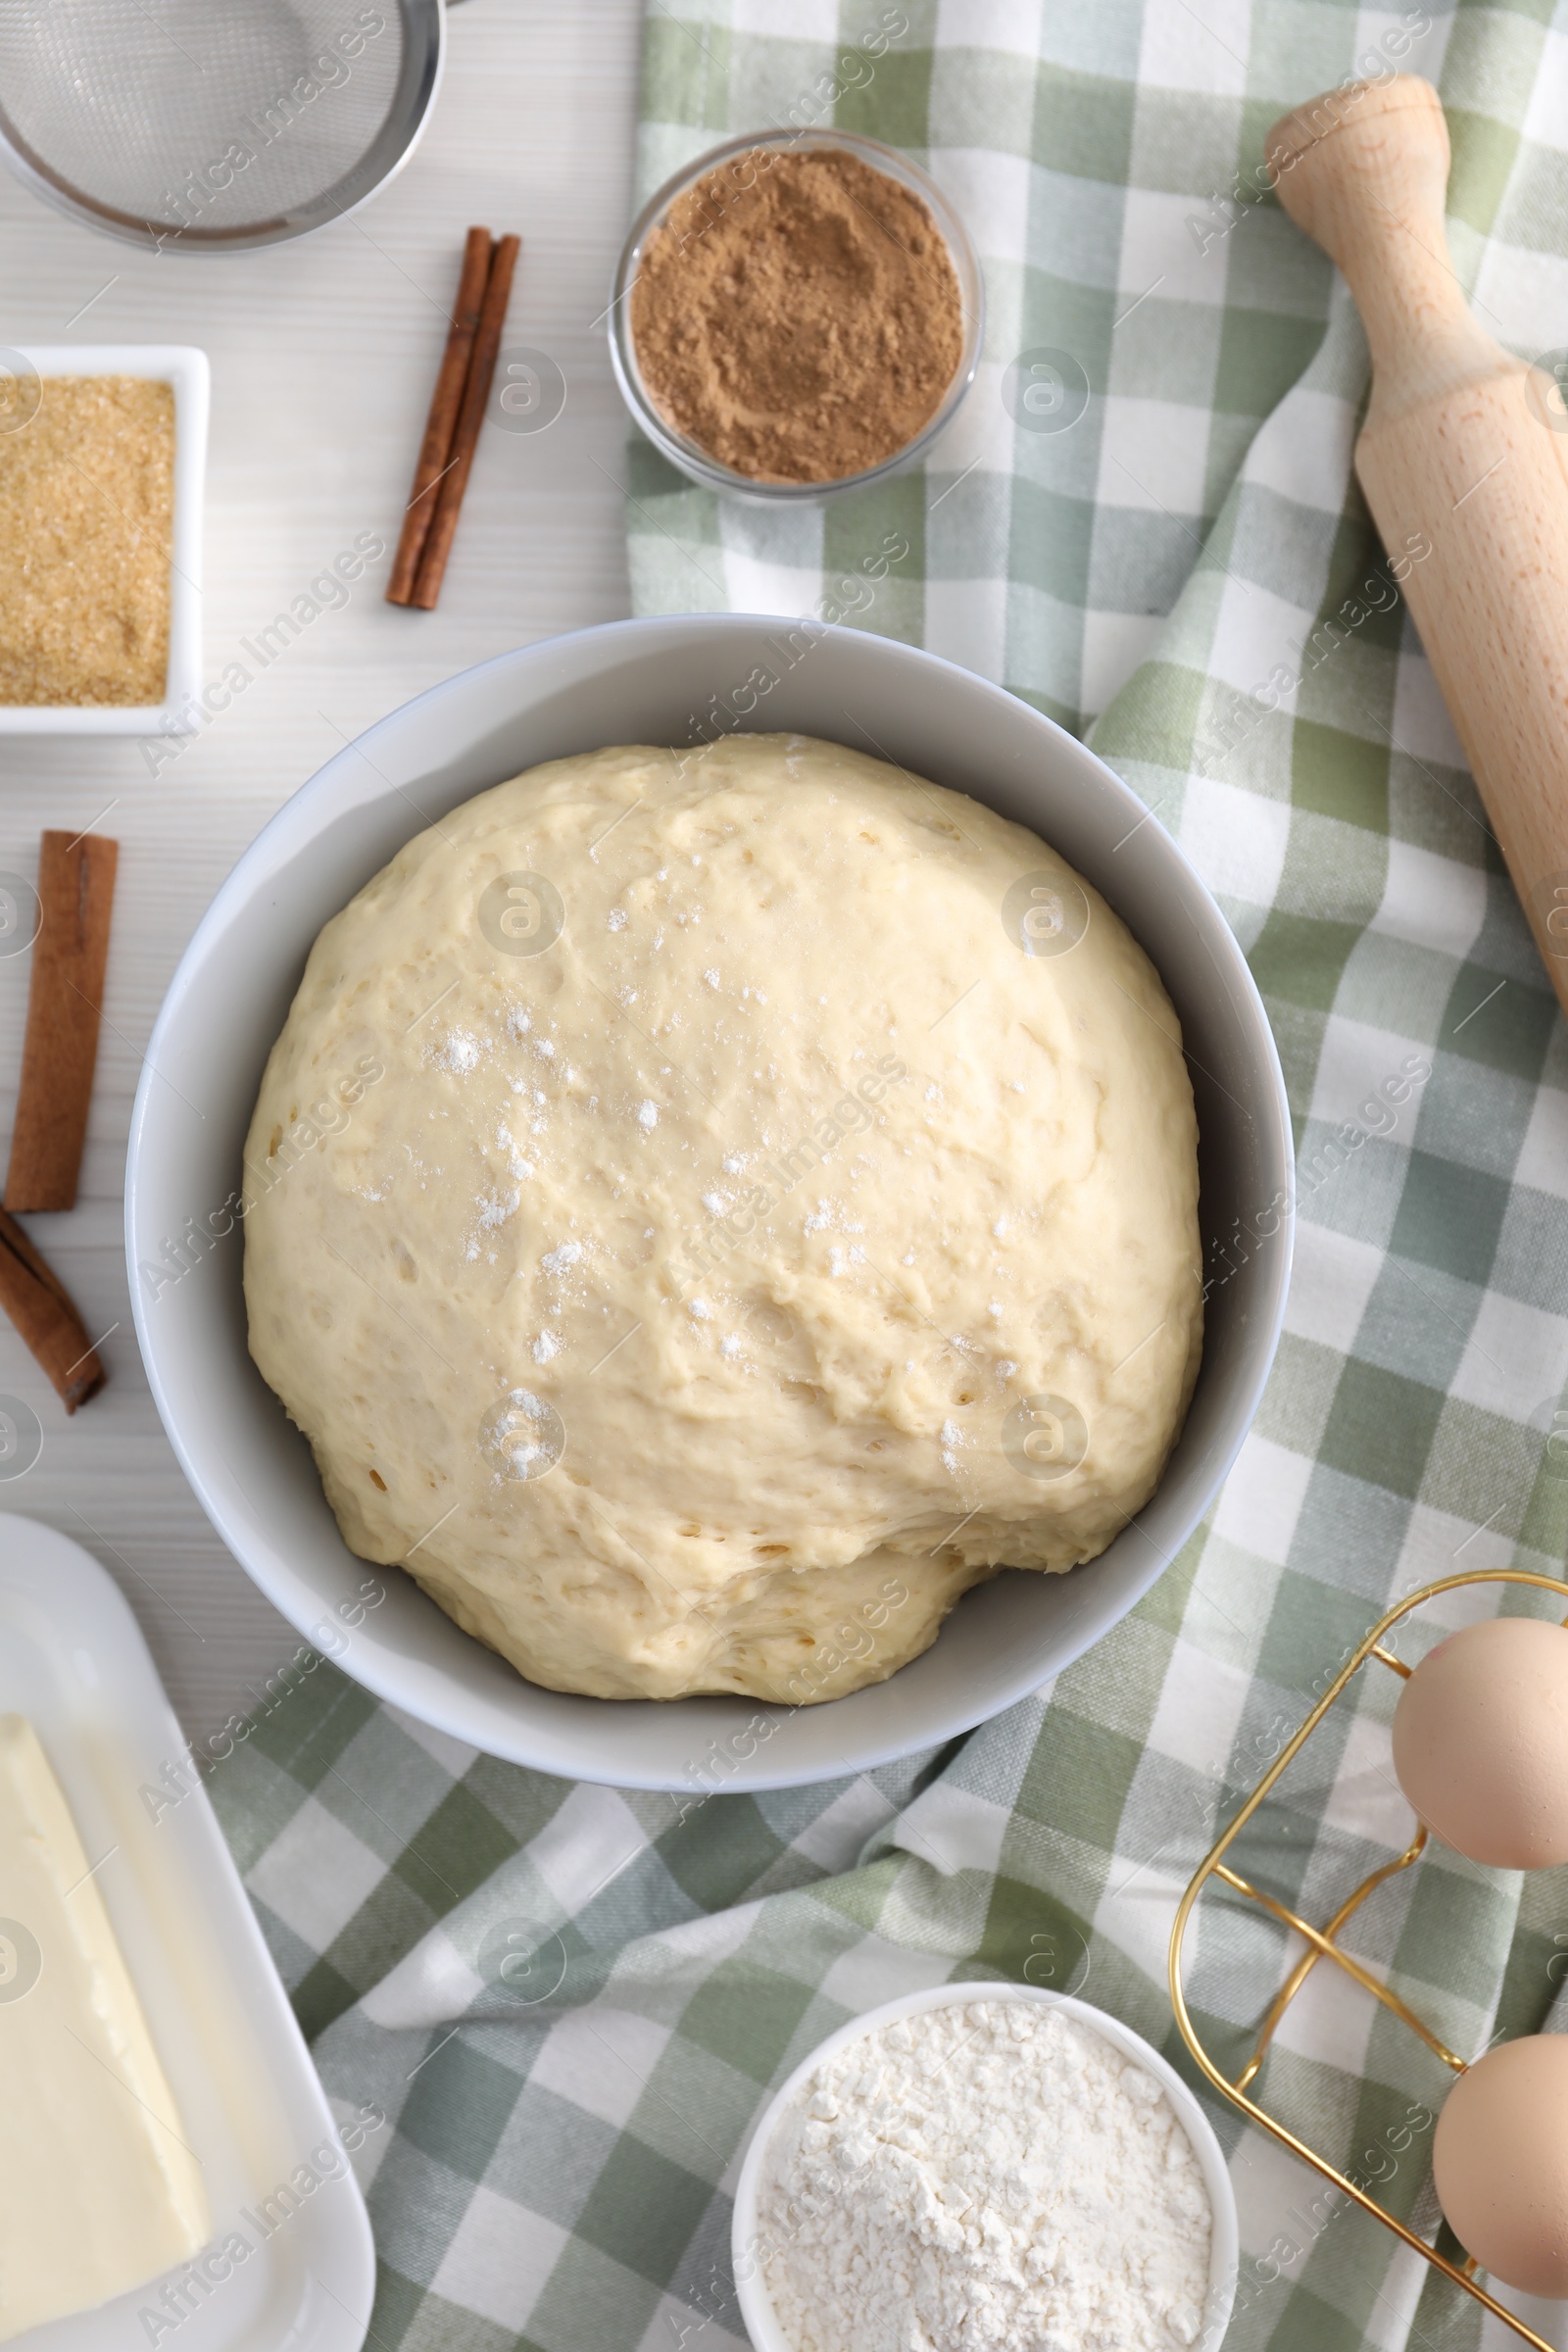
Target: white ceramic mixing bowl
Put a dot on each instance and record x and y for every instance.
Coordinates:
(747, 2243)
(646, 681)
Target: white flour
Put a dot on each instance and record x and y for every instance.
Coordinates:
(991, 2176)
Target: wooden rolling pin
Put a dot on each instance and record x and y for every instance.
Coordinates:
(1465, 445)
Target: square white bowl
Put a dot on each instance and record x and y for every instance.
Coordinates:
(182, 367)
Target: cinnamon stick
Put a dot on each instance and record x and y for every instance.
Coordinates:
(42, 1310)
(436, 450)
(466, 440)
(60, 1050)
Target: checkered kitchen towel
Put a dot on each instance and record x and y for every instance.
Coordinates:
(1150, 518)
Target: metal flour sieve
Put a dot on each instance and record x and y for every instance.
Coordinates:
(213, 126)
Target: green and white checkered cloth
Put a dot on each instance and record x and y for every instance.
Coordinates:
(555, 2164)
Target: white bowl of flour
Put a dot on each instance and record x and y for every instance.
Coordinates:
(989, 2165)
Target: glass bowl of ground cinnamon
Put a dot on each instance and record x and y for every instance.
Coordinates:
(797, 313)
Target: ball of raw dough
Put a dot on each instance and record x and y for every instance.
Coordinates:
(708, 1210)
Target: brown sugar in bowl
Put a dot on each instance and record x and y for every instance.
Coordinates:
(796, 314)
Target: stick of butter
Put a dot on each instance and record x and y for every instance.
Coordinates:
(101, 2190)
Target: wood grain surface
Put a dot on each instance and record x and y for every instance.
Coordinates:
(1462, 460)
(324, 353)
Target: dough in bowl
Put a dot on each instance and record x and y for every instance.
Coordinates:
(708, 1209)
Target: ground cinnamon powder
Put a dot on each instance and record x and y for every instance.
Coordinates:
(798, 315)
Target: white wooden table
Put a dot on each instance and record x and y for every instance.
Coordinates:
(324, 353)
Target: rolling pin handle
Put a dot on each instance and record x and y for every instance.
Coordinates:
(1462, 457)
(1364, 171)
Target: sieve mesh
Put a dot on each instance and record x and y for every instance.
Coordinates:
(200, 117)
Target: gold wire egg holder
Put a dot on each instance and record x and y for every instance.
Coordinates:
(1321, 1943)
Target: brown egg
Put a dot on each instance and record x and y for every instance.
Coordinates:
(1499, 2160)
(1480, 1742)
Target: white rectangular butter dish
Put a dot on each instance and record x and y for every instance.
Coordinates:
(290, 2261)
